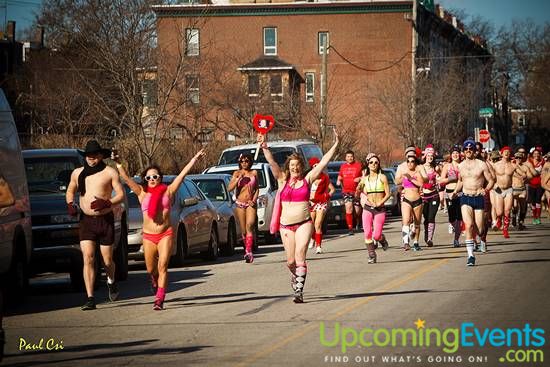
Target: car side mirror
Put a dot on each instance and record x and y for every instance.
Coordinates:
(189, 202)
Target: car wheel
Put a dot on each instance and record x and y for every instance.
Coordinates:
(229, 248)
(121, 256)
(213, 246)
(181, 249)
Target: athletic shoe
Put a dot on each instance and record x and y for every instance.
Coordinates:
(248, 258)
(476, 248)
(538, 221)
(298, 297)
(534, 220)
(372, 259)
(471, 261)
(430, 243)
(505, 233)
(113, 291)
(375, 244)
(311, 244)
(351, 232)
(384, 243)
(89, 305)
(318, 250)
(406, 247)
(521, 226)
(483, 246)
(451, 228)
(158, 305)
(416, 247)
(456, 243)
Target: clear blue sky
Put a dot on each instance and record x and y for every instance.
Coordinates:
(501, 12)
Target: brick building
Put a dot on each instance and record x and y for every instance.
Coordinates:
(241, 58)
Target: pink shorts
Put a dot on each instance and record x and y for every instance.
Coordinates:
(313, 207)
(156, 237)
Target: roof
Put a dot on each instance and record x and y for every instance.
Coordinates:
(267, 63)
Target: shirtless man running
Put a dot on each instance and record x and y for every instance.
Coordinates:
(504, 198)
(95, 182)
(519, 188)
(473, 174)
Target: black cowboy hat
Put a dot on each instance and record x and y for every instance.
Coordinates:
(93, 147)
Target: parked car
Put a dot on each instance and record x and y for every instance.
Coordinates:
(268, 189)
(334, 166)
(56, 245)
(195, 221)
(393, 204)
(280, 150)
(214, 187)
(336, 211)
(15, 211)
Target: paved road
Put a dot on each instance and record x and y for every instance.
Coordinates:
(233, 314)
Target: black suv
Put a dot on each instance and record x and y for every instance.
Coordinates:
(56, 246)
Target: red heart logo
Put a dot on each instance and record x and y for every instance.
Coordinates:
(263, 124)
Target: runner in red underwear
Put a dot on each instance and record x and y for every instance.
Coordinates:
(320, 193)
(156, 199)
(348, 177)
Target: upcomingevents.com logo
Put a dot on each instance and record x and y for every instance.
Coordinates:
(522, 343)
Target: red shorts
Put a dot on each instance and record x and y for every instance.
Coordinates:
(156, 237)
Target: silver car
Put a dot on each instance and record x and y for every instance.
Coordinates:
(214, 187)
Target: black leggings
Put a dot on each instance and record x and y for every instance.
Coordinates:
(431, 205)
(453, 209)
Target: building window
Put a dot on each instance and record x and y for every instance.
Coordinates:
(310, 87)
(270, 41)
(323, 41)
(276, 88)
(192, 85)
(253, 85)
(192, 40)
(149, 93)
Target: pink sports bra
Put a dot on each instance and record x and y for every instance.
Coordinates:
(145, 203)
(295, 195)
(407, 184)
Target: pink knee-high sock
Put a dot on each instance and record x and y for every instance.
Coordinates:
(161, 293)
(506, 223)
(249, 242)
(431, 231)
(301, 273)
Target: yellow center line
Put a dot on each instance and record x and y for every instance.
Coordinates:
(306, 329)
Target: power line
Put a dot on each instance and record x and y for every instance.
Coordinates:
(371, 70)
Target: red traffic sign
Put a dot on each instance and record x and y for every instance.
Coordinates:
(263, 124)
(484, 136)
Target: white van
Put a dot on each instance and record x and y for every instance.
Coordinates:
(15, 211)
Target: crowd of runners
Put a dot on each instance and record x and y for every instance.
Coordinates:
(479, 191)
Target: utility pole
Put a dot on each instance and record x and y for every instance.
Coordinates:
(323, 119)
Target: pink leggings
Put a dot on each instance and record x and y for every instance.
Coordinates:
(373, 222)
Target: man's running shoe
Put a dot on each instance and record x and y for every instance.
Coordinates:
(318, 250)
(298, 296)
(416, 247)
(505, 233)
(406, 247)
(158, 305)
(471, 261)
(456, 243)
(372, 259)
(538, 221)
(430, 243)
(384, 243)
(248, 258)
(89, 305)
(483, 246)
(350, 232)
(476, 248)
(113, 291)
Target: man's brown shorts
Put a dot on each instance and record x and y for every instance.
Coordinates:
(100, 229)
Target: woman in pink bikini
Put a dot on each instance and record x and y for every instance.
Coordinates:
(156, 199)
(295, 225)
(430, 194)
(245, 181)
(449, 178)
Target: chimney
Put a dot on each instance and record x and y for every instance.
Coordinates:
(441, 12)
(39, 36)
(461, 26)
(10, 30)
(454, 22)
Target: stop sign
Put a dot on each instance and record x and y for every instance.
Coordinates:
(484, 136)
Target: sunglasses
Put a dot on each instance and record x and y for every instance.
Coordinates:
(374, 162)
(244, 160)
(471, 149)
(152, 177)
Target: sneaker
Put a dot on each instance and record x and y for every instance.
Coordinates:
(248, 258)
(538, 221)
(89, 305)
(521, 226)
(406, 247)
(158, 305)
(534, 220)
(483, 246)
(416, 247)
(430, 243)
(113, 291)
(505, 233)
(375, 243)
(451, 229)
(471, 261)
(298, 297)
(318, 250)
(456, 243)
(311, 244)
(351, 232)
(372, 259)
(384, 243)
(476, 248)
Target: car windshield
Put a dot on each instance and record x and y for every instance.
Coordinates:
(260, 172)
(133, 201)
(49, 174)
(389, 175)
(212, 189)
(333, 178)
(279, 154)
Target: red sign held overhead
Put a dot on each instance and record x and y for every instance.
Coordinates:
(263, 124)
(484, 136)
